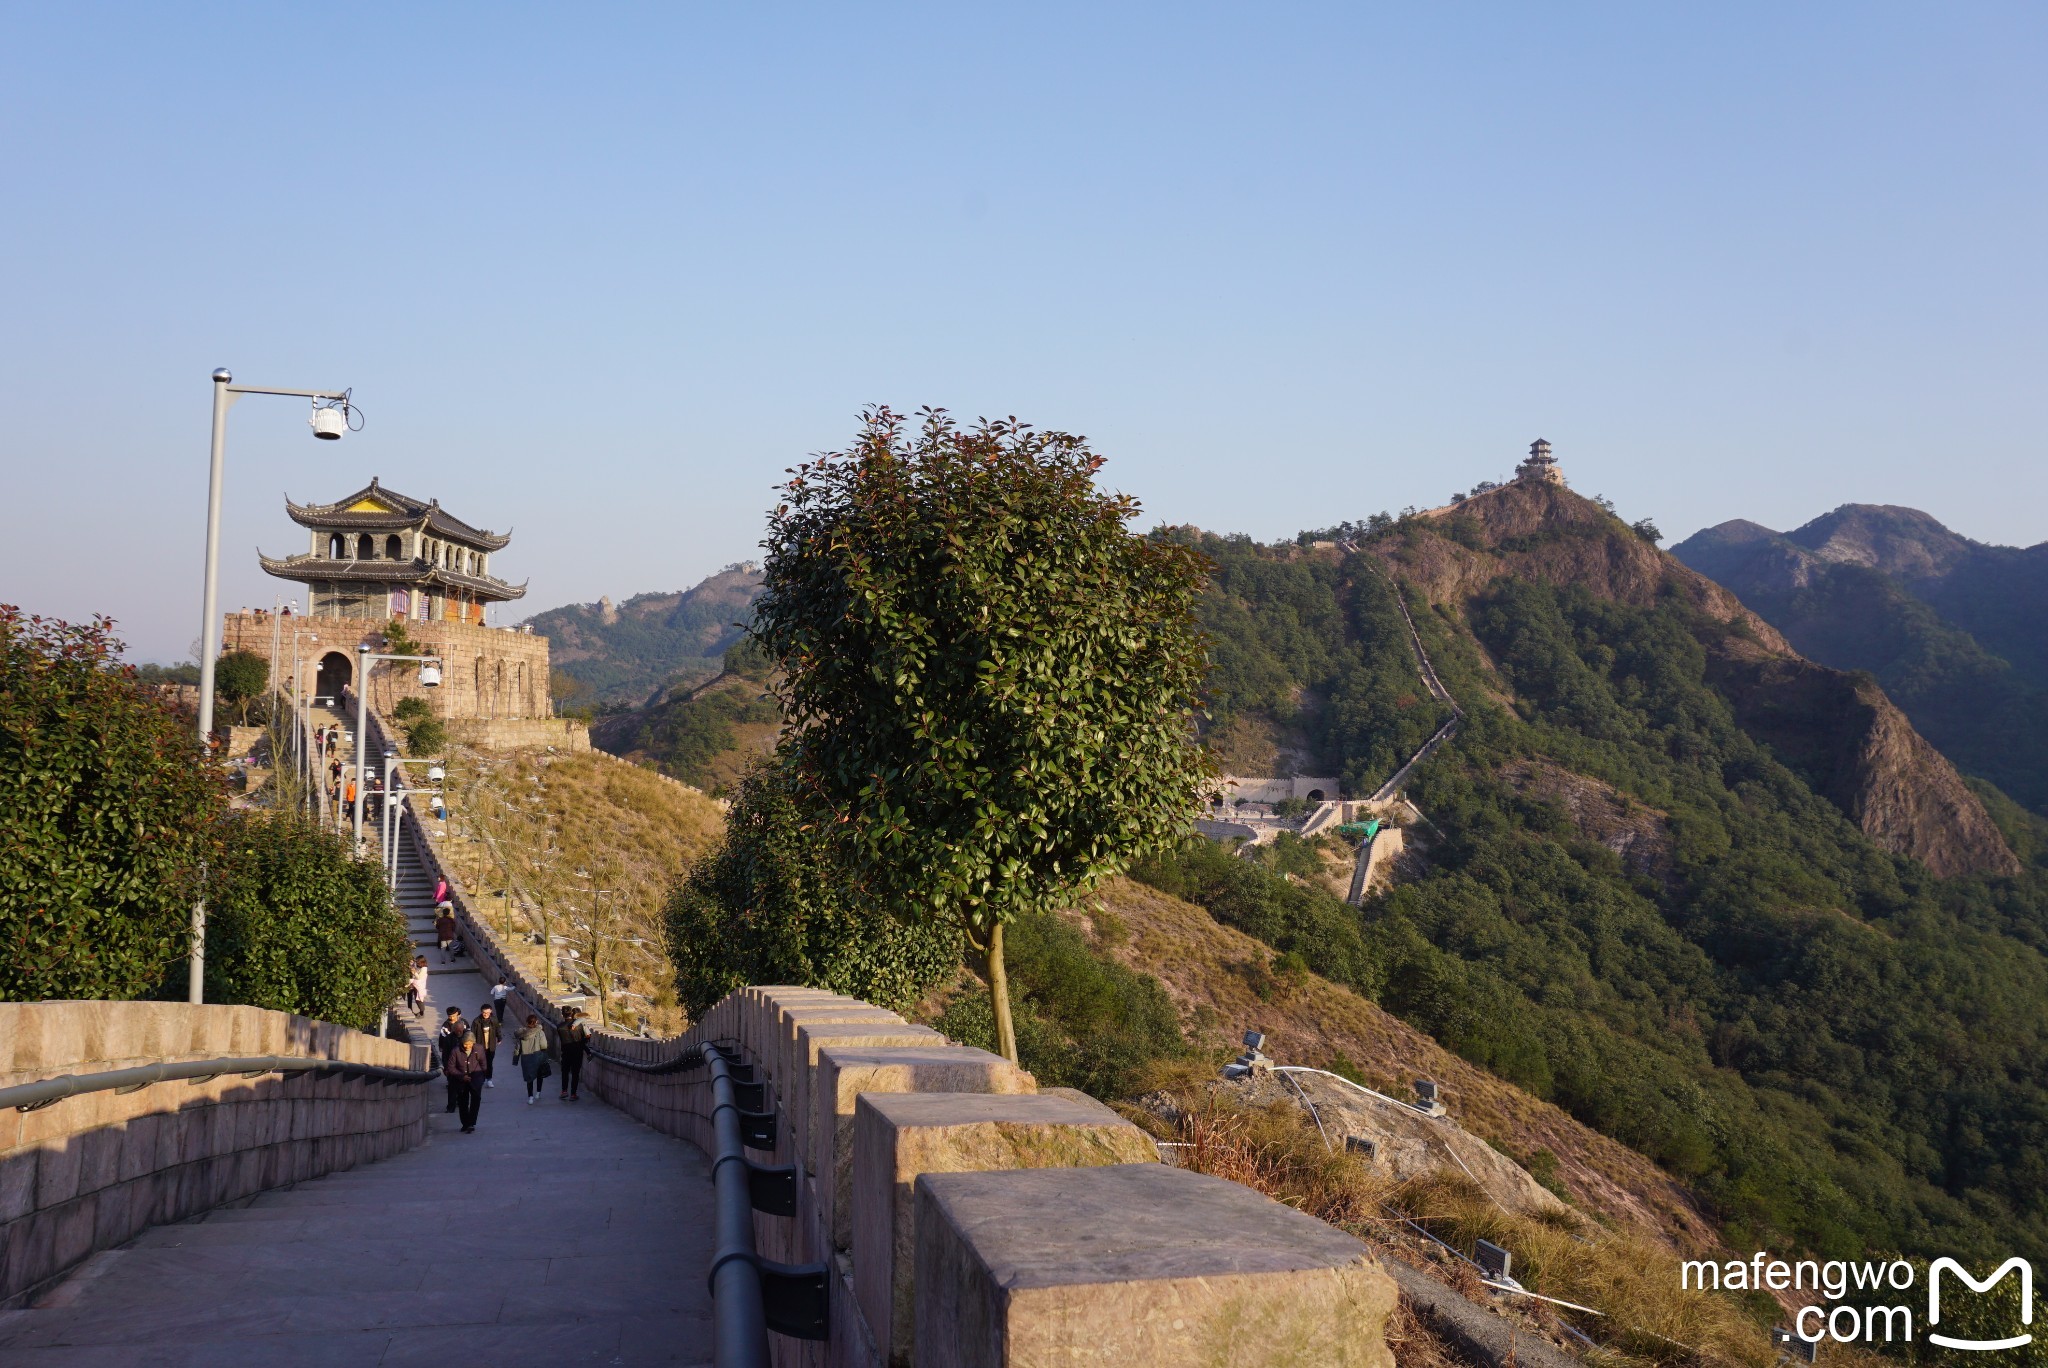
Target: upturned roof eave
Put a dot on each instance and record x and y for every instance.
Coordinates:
(307, 569)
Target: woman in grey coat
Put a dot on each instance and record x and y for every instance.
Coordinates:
(530, 1052)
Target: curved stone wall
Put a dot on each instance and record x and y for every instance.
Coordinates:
(91, 1171)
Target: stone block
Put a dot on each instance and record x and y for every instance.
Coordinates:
(784, 1056)
(30, 1256)
(99, 1157)
(113, 1221)
(847, 1069)
(800, 1097)
(75, 1222)
(17, 1184)
(897, 1136)
(57, 1165)
(138, 1147)
(1132, 1264)
(20, 1039)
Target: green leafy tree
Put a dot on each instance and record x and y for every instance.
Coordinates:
(990, 681)
(770, 905)
(106, 816)
(425, 737)
(239, 678)
(296, 924)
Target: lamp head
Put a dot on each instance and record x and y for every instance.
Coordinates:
(430, 675)
(328, 424)
(221, 376)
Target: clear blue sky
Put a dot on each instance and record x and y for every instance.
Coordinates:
(599, 273)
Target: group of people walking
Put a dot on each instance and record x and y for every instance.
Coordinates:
(469, 1055)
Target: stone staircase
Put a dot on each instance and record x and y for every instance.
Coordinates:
(415, 897)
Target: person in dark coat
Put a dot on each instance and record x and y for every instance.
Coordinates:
(574, 1039)
(444, 928)
(465, 1070)
(488, 1029)
(447, 1041)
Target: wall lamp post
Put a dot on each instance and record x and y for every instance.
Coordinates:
(394, 785)
(430, 677)
(331, 413)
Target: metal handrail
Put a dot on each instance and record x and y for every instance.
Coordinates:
(692, 1058)
(29, 1097)
(750, 1295)
(739, 1320)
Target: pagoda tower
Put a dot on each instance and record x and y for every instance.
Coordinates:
(381, 566)
(377, 554)
(1540, 467)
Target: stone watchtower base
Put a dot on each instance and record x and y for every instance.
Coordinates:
(494, 680)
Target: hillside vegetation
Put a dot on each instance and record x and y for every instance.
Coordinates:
(707, 734)
(1952, 629)
(1835, 1047)
(632, 651)
(534, 835)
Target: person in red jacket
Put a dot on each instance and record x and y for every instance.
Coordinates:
(465, 1068)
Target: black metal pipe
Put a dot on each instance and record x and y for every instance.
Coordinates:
(33, 1096)
(739, 1321)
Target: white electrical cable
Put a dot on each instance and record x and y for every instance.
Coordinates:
(1448, 1149)
(1327, 1147)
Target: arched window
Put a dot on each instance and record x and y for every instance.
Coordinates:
(337, 547)
(391, 547)
(366, 547)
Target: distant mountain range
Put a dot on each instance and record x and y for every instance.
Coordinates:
(1955, 630)
(635, 652)
(1685, 870)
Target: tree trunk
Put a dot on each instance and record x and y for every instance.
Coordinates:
(999, 996)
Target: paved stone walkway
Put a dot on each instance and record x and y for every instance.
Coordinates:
(559, 1233)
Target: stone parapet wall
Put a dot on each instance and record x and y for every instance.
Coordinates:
(926, 1186)
(91, 1171)
(488, 673)
(561, 733)
(1133, 1262)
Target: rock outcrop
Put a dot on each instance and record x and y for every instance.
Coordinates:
(1838, 730)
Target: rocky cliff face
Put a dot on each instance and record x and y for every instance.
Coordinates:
(1838, 730)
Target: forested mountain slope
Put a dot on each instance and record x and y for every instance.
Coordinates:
(1821, 1000)
(628, 652)
(1955, 631)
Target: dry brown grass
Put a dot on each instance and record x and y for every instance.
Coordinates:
(1647, 1317)
(534, 833)
(1201, 964)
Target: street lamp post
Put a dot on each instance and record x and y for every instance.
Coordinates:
(393, 774)
(370, 658)
(225, 393)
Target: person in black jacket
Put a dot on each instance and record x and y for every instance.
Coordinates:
(488, 1029)
(465, 1070)
(447, 1041)
(574, 1039)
